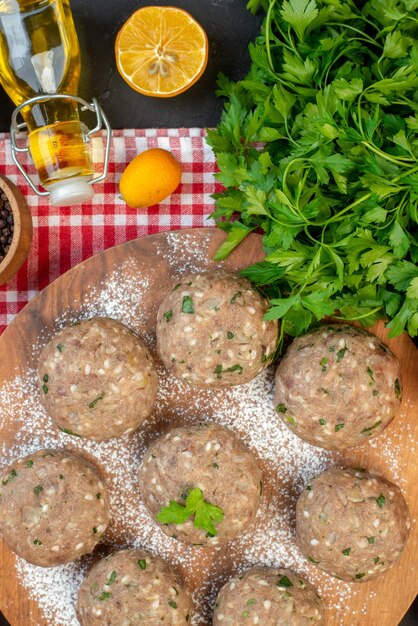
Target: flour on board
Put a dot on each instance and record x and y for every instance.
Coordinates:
(247, 409)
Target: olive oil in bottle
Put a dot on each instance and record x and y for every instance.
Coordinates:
(39, 54)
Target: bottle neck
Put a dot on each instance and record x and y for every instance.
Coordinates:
(50, 112)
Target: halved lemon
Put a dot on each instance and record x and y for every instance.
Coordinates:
(161, 51)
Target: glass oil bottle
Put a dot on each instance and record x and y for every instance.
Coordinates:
(40, 71)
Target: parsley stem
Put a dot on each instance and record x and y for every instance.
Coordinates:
(268, 34)
(362, 33)
(281, 42)
(398, 160)
(286, 126)
(366, 196)
(290, 38)
(359, 317)
(281, 338)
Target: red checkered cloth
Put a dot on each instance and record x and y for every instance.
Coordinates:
(66, 236)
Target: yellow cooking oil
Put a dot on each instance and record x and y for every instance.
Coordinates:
(39, 54)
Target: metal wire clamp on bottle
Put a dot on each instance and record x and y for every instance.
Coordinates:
(74, 188)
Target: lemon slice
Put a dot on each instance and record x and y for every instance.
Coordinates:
(161, 51)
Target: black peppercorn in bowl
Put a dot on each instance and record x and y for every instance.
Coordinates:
(15, 229)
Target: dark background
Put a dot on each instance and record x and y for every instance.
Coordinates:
(229, 27)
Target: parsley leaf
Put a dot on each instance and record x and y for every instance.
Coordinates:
(206, 515)
(313, 149)
(187, 305)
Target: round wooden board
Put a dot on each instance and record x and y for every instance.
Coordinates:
(386, 599)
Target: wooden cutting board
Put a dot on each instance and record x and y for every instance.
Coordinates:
(382, 602)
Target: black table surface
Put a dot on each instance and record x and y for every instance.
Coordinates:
(229, 26)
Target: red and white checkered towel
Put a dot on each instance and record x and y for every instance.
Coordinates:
(66, 236)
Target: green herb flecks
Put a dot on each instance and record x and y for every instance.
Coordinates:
(230, 335)
(95, 531)
(361, 575)
(38, 490)
(323, 362)
(29, 463)
(370, 428)
(284, 582)
(142, 564)
(339, 427)
(205, 515)
(98, 496)
(176, 287)
(12, 475)
(341, 354)
(397, 386)
(251, 602)
(281, 408)
(312, 560)
(111, 579)
(37, 542)
(94, 402)
(236, 295)
(187, 305)
(370, 539)
(219, 369)
(381, 501)
(60, 347)
(168, 315)
(346, 552)
(45, 378)
(45, 388)
(322, 421)
(291, 420)
(370, 373)
(67, 431)
(172, 604)
(317, 147)
(105, 596)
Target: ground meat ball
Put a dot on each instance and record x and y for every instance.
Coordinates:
(338, 386)
(133, 587)
(97, 379)
(53, 507)
(208, 457)
(268, 597)
(351, 523)
(211, 332)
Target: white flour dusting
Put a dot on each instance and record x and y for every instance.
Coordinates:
(247, 409)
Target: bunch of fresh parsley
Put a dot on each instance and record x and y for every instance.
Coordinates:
(318, 147)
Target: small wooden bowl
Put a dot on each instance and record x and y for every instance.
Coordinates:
(22, 234)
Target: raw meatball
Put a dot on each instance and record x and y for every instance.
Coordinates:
(212, 459)
(133, 587)
(268, 597)
(211, 332)
(53, 507)
(338, 386)
(351, 523)
(97, 379)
